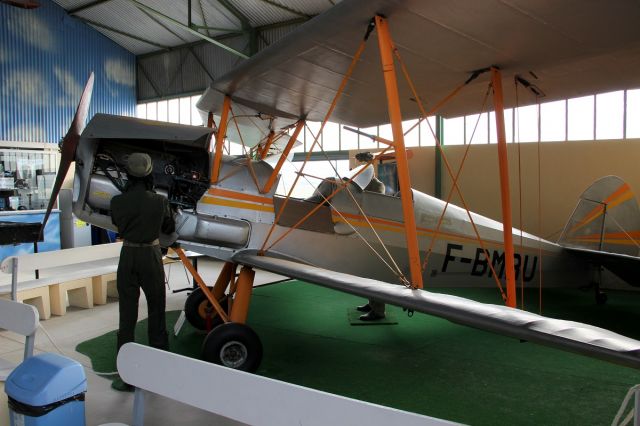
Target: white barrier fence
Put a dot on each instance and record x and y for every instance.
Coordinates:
(245, 397)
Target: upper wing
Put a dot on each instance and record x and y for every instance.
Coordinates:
(567, 335)
(566, 48)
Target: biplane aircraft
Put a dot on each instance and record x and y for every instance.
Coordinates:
(365, 63)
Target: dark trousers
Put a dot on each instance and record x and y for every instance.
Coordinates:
(141, 267)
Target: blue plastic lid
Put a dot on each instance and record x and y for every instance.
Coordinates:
(44, 379)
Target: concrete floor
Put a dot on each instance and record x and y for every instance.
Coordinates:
(103, 404)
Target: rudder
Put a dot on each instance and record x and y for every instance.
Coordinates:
(606, 218)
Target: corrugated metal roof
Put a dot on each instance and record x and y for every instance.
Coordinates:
(115, 18)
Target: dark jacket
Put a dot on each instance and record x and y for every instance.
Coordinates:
(141, 215)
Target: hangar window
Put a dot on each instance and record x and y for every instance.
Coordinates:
(610, 115)
(553, 121)
(633, 112)
(580, 120)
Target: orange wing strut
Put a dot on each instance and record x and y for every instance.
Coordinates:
(283, 157)
(222, 132)
(395, 116)
(507, 227)
(267, 145)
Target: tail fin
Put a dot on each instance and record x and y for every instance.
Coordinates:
(607, 218)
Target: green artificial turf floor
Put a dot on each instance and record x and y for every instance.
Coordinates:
(427, 365)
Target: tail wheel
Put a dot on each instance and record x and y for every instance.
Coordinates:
(200, 312)
(233, 345)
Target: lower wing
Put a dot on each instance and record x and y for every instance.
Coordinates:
(567, 335)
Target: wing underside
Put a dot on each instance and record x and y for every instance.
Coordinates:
(566, 335)
(565, 49)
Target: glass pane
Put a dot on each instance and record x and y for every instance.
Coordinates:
(196, 118)
(477, 129)
(331, 137)
(508, 126)
(162, 111)
(385, 132)
(185, 110)
(633, 113)
(141, 111)
(368, 143)
(310, 132)
(427, 131)
(348, 140)
(453, 131)
(553, 121)
(152, 110)
(174, 111)
(580, 118)
(527, 124)
(413, 137)
(609, 119)
(235, 149)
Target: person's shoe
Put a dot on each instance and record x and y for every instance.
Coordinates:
(364, 308)
(371, 316)
(120, 385)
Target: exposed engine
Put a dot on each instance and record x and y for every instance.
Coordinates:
(180, 172)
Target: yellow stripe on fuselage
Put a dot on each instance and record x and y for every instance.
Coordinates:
(237, 204)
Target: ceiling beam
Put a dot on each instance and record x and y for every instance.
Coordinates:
(225, 36)
(186, 28)
(87, 6)
(117, 31)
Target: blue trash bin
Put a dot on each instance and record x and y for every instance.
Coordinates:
(47, 389)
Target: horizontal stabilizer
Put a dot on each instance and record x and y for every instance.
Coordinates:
(624, 266)
(566, 335)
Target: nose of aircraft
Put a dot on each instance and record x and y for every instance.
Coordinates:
(69, 145)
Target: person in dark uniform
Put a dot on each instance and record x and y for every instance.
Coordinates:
(140, 215)
(373, 309)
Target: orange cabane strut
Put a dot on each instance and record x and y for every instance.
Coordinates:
(395, 116)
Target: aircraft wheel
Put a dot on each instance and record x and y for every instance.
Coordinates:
(601, 298)
(197, 307)
(233, 345)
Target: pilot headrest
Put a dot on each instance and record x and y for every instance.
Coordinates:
(364, 157)
(139, 164)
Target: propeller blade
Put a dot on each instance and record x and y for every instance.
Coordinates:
(69, 146)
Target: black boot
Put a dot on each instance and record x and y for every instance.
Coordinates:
(372, 316)
(364, 308)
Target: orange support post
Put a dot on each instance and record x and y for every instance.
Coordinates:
(224, 278)
(265, 149)
(283, 157)
(507, 227)
(222, 132)
(395, 116)
(240, 308)
(205, 290)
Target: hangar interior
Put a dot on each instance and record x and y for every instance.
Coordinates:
(154, 59)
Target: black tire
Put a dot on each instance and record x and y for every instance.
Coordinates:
(233, 345)
(197, 306)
